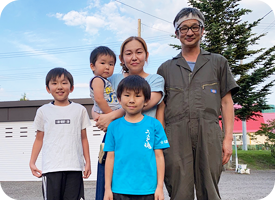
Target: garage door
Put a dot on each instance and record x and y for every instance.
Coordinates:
(16, 140)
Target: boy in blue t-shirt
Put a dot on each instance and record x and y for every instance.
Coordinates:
(134, 167)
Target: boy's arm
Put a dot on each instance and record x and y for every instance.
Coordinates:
(94, 114)
(86, 153)
(160, 113)
(109, 166)
(37, 145)
(98, 88)
(155, 98)
(160, 174)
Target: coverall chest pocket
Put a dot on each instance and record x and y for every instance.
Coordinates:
(174, 101)
(211, 97)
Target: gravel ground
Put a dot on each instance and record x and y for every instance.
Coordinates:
(233, 186)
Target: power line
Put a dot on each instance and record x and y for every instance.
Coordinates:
(41, 52)
(155, 28)
(267, 14)
(54, 51)
(144, 12)
(271, 25)
(39, 73)
(35, 67)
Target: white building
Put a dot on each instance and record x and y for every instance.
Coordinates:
(17, 136)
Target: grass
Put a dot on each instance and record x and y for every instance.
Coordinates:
(256, 159)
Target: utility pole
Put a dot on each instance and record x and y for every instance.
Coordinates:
(244, 128)
(236, 153)
(139, 27)
(244, 135)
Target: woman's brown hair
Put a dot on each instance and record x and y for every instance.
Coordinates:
(129, 39)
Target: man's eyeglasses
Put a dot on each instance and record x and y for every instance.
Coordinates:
(185, 29)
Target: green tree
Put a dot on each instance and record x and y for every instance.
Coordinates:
(268, 130)
(227, 34)
(236, 39)
(24, 97)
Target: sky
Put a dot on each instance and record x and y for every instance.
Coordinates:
(38, 35)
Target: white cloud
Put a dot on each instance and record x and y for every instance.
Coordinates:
(93, 4)
(74, 18)
(155, 48)
(253, 2)
(34, 38)
(58, 15)
(93, 23)
(108, 16)
(158, 49)
(41, 54)
(81, 85)
(162, 26)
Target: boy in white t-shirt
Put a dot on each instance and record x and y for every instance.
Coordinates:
(61, 133)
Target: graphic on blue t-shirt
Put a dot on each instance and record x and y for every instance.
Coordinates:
(147, 144)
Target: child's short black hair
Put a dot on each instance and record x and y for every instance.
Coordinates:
(136, 83)
(101, 50)
(57, 72)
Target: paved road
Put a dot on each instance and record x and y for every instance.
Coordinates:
(233, 186)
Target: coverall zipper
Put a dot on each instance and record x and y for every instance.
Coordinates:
(190, 74)
(203, 86)
(174, 89)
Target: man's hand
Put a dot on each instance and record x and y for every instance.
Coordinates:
(226, 150)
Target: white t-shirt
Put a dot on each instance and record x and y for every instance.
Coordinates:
(62, 146)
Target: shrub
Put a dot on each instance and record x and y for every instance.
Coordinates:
(269, 131)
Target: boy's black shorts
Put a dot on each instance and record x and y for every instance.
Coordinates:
(63, 185)
(132, 197)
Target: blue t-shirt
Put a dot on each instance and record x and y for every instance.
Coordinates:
(191, 65)
(155, 81)
(135, 168)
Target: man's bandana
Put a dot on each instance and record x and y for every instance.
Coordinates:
(190, 16)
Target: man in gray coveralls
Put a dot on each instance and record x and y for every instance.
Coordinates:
(198, 88)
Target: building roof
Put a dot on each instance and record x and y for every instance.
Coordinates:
(25, 111)
(11, 111)
(271, 110)
(253, 125)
